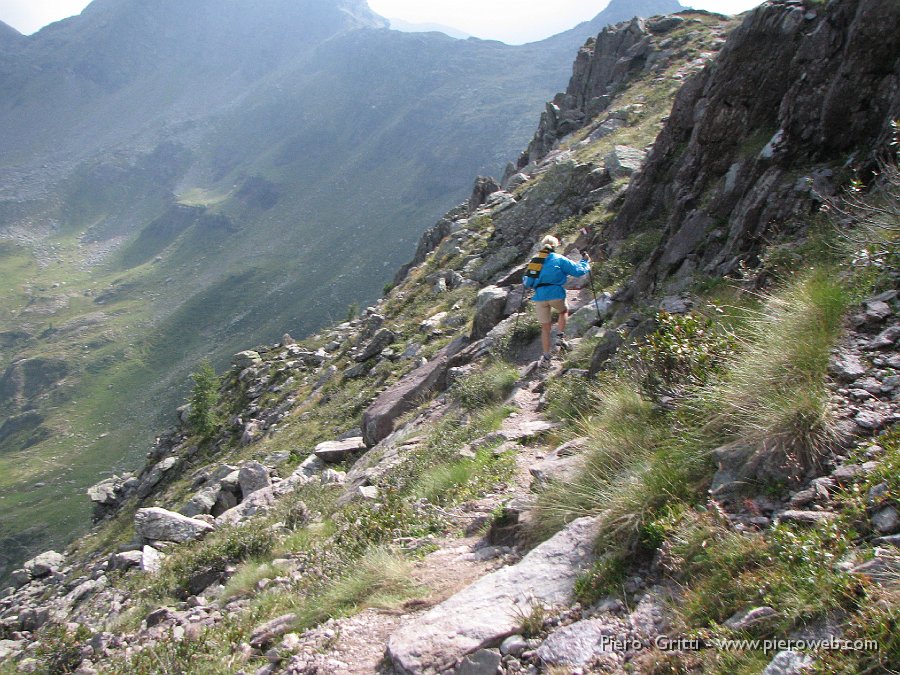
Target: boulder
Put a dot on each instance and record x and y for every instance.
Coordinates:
(45, 564)
(272, 630)
(846, 367)
(253, 476)
(623, 161)
(382, 339)
(151, 560)
(125, 560)
(492, 608)
(581, 643)
(788, 663)
(202, 502)
(334, 452)
(310, 467)
(608, 344)
(246, 359)
(590, 315)
(886, 520)
(155, 475)
(484, 187)
(489, 308)
(664, 24)
(378, 419)
(156, 524)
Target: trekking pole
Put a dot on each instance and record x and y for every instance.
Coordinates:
(593, 291)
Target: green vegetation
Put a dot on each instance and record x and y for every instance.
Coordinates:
(486, 387)
(203, 400)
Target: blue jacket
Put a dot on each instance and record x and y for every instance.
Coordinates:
(555, 272)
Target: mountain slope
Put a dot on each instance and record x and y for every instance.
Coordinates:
(179, 178)
(409, 491)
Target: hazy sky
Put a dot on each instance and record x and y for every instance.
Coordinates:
(513, 21)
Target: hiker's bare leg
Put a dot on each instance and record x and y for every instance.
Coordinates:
(545, 336)
(563, 316)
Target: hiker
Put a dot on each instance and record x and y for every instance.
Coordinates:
(546, 274)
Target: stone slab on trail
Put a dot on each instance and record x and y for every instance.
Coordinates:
(493, 608)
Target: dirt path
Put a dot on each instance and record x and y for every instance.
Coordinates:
(356, 645)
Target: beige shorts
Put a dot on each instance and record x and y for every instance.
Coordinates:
(543, 307)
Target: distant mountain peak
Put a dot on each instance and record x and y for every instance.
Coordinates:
(8, 33)
(408, 27)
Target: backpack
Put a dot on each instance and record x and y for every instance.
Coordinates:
(533, 270)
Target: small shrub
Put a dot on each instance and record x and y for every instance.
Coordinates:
(604, 578)
(774, 390)
(60, 649)
(486, 387)
(224, 547)
(248, 575)
(532, 624)
(684, 351)
(204, 398)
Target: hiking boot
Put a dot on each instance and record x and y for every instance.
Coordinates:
(544, 362)
(562, 344)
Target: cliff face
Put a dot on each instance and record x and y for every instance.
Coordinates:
(798, 91)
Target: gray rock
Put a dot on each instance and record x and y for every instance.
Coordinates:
(155, 475)
(246, 359)
(484, 187)
(750, 617)
(379, 342)
(379, 418)
(19, 578)
(483, 662)
(514, 645)
(33, 618)
(886, 520)
(871, 420)
(367, 492)
(202, 502)
(332, 477)
(272, 630)
(516, 180)
(490, 609)
(607, 345)
(151, 560)
(788, 663)
(581, 643)
(624, 161)
(45, 564)
(664, 24)
(158, 524)
(589, 315)
(489, 307)
(495, 263)
(225, 501)
(333, 452)
(227, 475)
(887, 338)
(125, 560)
(253, 476)
(311, 466)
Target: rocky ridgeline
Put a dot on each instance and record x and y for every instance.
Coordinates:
(490, 581)
(798, 94)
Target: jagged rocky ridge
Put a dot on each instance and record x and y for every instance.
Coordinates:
(474, 250)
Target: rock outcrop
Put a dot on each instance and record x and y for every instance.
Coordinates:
(795, 92)
(493, 608)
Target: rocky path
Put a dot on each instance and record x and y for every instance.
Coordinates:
(461, 563)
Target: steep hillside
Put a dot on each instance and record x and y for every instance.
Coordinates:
(704, 479)
(179, 178)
